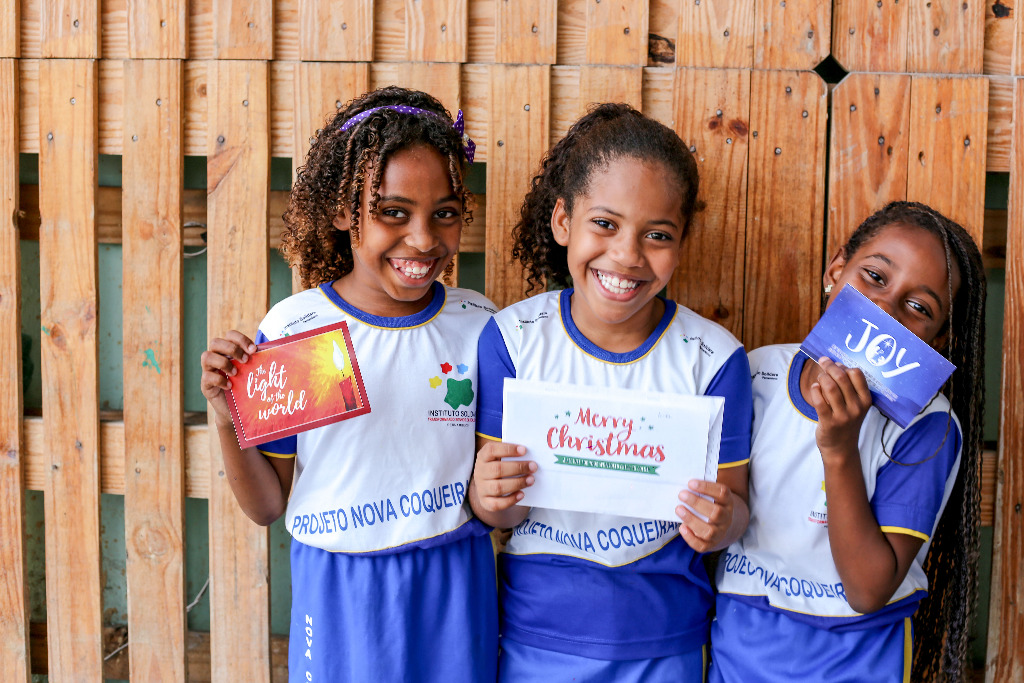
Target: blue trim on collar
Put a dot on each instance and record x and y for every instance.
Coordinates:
(594, 350)
(399, 322)
(793, 382)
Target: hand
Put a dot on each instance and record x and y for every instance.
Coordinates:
(218, 369)
(700, 535)
(499, 484)
(842, 398)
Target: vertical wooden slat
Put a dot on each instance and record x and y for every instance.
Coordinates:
(440, 80)
(243, 29)
(10, 30)
(154, 454)
(517, 139)
(712, 117)
(526, 31)
(70, 28)
(718, 33)
(617, 32)
(336, 30)
(14, 643)
(1004, 661)
(870, 36)
(792, 34)
(436, 31)
(68, 300)
(948, 133)
(870, 147)
(946, 37)
(785, 203)
(238, 185)
(610, 84)
(157, 29)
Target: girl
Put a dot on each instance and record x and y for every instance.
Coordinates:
(388, 562)
(609, 209)
(844, 503)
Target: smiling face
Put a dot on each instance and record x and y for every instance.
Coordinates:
(407, 245)
(623, 240)
(902, 269)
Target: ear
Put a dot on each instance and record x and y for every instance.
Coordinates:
(941, 339)
(560, 223)
(341, 221)
(834, 268)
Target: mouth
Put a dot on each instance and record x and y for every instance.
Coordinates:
(412, 269)
(617, 285)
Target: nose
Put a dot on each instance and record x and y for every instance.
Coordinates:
(420, 235)
(626, 249)
(886, 304)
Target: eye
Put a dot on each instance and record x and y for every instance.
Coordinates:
(446, 214)
(660, 236)
(603, 223)
(393, 212)
(920, 308)
(874, 275)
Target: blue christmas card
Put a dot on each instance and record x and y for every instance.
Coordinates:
(903, 372)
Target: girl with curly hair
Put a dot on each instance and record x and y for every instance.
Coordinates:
(392, 575)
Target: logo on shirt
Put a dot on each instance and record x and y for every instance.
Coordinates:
(456, 392)
(764, 374)
(819, 514)
(704, 348)
(543, 315)
(466, 303)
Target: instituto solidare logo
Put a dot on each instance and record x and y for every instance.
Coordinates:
(458, 395)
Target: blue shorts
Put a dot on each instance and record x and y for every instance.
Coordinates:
(752, 645)
(422, 615)
(526, 664)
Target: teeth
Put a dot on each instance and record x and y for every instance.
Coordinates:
(412, 269)
(615, 284)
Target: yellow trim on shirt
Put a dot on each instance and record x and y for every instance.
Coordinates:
(726, 465)
(354, 318)
(908, 649)
(282, 456)
(906, 532)
(489, 437)
(604, 360)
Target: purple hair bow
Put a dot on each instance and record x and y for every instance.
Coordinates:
(460, 125)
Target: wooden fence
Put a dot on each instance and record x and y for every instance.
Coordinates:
(789, 167)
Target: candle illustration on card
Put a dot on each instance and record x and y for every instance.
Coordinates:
(297, 383)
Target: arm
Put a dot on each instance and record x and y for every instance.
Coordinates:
(871, 563)
(260, 484)
(497, 486)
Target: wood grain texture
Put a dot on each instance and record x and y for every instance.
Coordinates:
(712, 117)
(792, 34)
(525, 31)
(1004, 661)
(869, 150)
(518, 125)
(14, 643)
(336, 30)
(68, 301)
(238, 179)
(157, 29)
(443, 81)
(715, 33)
(948, 133)
(10, 30)
(946, 37)
(243, 29)
(152, 182)
(321, 90)
(436, 31)
(1000, 123)
(617, 33)
(610, 84)
(1001, 32)
(785, 206)
(70, 29)
(870, 36)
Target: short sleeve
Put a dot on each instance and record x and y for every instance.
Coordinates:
(495, 365)
(911, 485)
(732, 382)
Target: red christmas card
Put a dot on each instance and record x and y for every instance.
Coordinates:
(297, 383)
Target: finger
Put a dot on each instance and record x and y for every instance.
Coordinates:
(860, 386)
(818, 402)
(496, 450)
(843, 378)
(212, 361)
(718, 492)
(213, 382)
(692, 538)
(243, 342)
(500, 469)
(496, 504)
(229, 349)
(504, 487)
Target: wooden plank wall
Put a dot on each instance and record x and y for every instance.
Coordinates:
(926, 110)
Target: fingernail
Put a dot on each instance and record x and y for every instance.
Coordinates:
(245, 358)
(529, 480)
(252, 348)
(533, 467)
(519, 495)
(521, 450)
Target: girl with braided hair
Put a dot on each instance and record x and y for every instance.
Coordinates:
(605, 597)
(392, 575)
(856, 523)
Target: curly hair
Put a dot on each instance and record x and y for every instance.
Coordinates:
(943, 621)
(341, 163)
(606, 133)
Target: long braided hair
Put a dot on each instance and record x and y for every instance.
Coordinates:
(942, 623)
(606, 133)
(341, 163)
